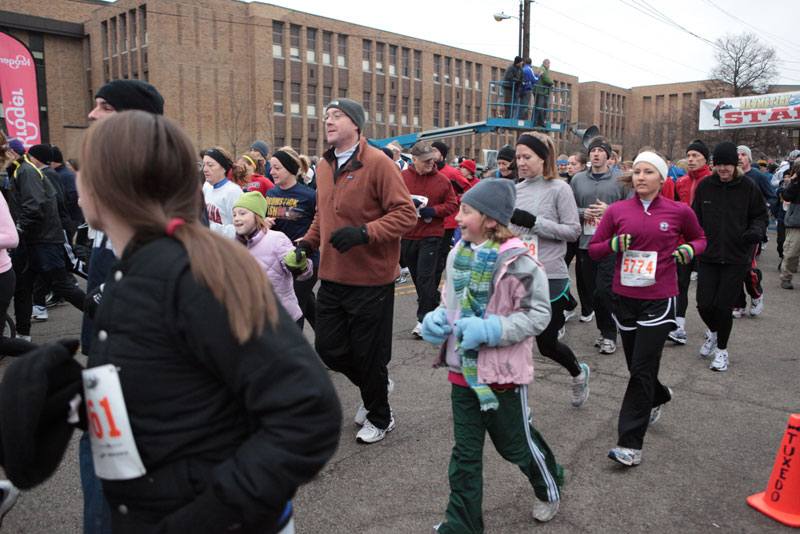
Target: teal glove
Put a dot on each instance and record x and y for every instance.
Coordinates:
(434, 326)
(684, 254)
(296, 261)
(472, 332)
(621, 242)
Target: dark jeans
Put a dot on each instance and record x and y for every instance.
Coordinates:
(354, 337)
(717, 289)
(422, 257)
(100, 264)
(304, 291)
(509, 99)
(47, 261)
(540, 103)
(585, 299)
(684, 279)
(642, 346)
(524, 102)
(598, 277)
(781, 237)
(444, 249)
(548, 344)
(96, 512)
(10, 346)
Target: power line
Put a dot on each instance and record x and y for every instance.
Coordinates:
(763, 34)
(668, 22)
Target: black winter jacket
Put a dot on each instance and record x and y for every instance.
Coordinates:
(51, 175)
(734, 218)
(227, 432)
(33, 203)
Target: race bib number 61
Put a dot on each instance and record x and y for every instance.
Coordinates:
(113, 448)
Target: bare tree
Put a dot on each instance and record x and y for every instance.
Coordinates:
(744, 63)
(238, 127)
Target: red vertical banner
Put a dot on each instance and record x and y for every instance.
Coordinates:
(18, 88)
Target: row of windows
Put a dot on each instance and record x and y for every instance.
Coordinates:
(278, 44)
(124, 29)
(381, 66)
(467, 72)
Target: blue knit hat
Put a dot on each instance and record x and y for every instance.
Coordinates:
(494, 197)
(16, 145)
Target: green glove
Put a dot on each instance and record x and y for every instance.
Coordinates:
(684, 254)
(621, 242)
(296, 261)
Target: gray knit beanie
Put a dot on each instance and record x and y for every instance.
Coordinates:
(352, 109)
(494, 197)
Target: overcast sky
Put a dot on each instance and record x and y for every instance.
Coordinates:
(611, 41)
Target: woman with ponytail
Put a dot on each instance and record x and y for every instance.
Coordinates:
(248, 173)
(292, 204)
(229, 407)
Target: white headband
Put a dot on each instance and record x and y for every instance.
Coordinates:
(655, 160)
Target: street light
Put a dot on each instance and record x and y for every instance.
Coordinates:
(502, 16)
(524, 25)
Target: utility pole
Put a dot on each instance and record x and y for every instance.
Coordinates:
(525, 20)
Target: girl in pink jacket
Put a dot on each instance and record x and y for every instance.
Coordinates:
(494, 302)
(269, 247)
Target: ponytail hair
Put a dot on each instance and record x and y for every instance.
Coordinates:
(151, 189)
(303, 163)
(258, 161)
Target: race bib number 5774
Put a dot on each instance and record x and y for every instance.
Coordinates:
(638, 268)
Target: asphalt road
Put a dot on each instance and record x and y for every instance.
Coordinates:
(715, 444)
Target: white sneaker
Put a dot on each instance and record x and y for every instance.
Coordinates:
(655, 413)
(598, 342)
(8, 498)
(361, 414)
(369, 433)
(544, 511)
(587, 318)
(39, 313)
(678, 336)
(693, 276)
(26, 338)
(710, 344)
(736, 313)
(562, 331)
(757, 306)
(569, 314)
(580, 386)
(626, 456)
(417, 332)
(720, 362)
(608, 347)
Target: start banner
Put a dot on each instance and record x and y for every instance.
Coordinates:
(18, 89)
(777, 109)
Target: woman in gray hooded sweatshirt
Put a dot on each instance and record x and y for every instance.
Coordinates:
(546, 219)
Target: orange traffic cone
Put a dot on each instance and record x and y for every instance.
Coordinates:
(781, 500)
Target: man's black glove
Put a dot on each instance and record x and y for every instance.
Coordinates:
(427, 212)
(92, 300)
(348, 237)
(523, 218)
(417, 202)
(457, 187)
(303, 247)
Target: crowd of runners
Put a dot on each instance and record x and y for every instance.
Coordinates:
(203, 406)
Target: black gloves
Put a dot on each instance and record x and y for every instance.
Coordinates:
(92, 301)
(457, 187)
(427, 212)
(304, 247)
(523, 218)
(348, 237)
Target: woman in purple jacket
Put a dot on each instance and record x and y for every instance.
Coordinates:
(644, 232)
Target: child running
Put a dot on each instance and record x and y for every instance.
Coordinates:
(645, 234)
(269, 248)
(493, 304)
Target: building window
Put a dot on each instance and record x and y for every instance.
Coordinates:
(366, 55)
(327, 47)
(342, 44)
(406, 59)
(294, 41)
(143, 20)
(392, 60)
(379, 58)
(123, 32)
(417, 106)
(447, 65)
(446, 114)
(342, 92)
(277, 39)
(277, 96)
(458, 72)
(437, 68)
(311, 45)
(404, 115)
(295, 108)
(437, 110)
(379, 107)
(392, 109)
(477, 77)
(417, 64)
(113, 36)
(104, 32)
(327, 93)
(134, 35)
(312, 146)
(467, 74)
(366, 101)
(311, 102)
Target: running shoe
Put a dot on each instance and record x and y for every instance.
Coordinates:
(655, 412)
(417, 332)
(562, 331)
(710, 345)
(608, 347)
(569, 314)
(720, 362)
(693, 276)
(757, 306)
(587, 318)
(626, 456)
(678, 336)
(51, 300)
(737, 313)
(786, 284)
(598, 342)
(8, 498)
(361, 414)
(369, 433)
(26, 338)
(39, 313)
(580, 386)
(544, 511)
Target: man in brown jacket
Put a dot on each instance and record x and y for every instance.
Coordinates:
(363, 208)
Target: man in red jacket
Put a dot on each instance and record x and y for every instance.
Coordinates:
(434, 199)
(460, 186)
(697, 158)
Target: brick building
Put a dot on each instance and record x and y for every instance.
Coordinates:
(232, 72)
